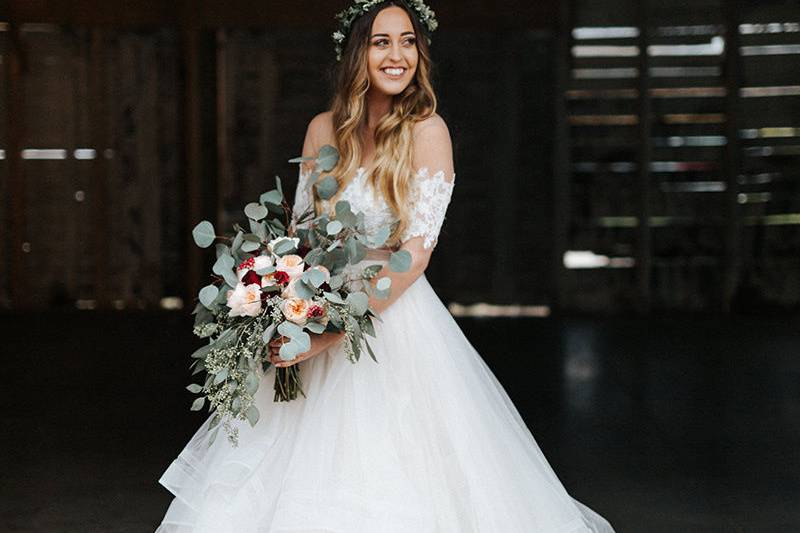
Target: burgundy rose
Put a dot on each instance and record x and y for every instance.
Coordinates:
(280, 277)
(315, 311)
(251, 277)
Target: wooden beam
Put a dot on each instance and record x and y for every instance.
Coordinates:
(192, 158)
(644, 245)
(15, 120)
(99, 126)
(732, 162)
(271, 14)
(562, 170)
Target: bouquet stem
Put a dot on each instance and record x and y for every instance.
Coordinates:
(287, 383)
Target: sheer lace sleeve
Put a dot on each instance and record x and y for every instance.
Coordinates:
(429, 197)
(303, 200)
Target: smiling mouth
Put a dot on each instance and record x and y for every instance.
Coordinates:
(394, 72)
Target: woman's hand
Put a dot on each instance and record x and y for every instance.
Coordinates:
(319, 343)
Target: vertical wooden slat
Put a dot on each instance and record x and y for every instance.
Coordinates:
(15, 66)
(193, 153)
(732, 163)
(223, 151)
(505, 196)
(99, 121)
(644, 251)
(562, 170)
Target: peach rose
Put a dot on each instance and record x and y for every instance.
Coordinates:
(295, 310)
(292, 265)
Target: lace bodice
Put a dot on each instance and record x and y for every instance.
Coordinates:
(429, 197)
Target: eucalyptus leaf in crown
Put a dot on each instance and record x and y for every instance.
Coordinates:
(347, 16)
(272, 280)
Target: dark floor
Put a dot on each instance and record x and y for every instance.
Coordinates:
(661, 425)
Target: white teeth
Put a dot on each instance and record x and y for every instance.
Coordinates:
(394, 71)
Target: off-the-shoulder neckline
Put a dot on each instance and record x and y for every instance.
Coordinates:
(424, 171)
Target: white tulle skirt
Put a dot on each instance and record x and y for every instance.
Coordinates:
(426, 440)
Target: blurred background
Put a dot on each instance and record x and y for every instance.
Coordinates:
(622, 247)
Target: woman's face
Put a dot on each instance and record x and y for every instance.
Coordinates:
(392, 53)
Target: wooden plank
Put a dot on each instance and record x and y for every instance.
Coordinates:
(15, 66)
(505, 280)
(562, 163)
(644, 245)
(316, 14)
(98, 121)
(732, 158)
(192, 163)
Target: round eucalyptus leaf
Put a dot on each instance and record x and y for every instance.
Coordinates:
(255, 211)
(315, 327)
(328, 157)
(290, 350)
(289, 329)
(207, 295)
(358, 302)
(334, 227)
(400, 261)
(327, 187)
(273, 197)
(204, 234)
(194, 388)
(250, 246)
(384, 283)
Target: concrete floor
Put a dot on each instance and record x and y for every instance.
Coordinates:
(688, 424)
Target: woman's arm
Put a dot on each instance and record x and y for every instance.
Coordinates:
(432, 150)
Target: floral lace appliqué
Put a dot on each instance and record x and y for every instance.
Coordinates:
(429, 197)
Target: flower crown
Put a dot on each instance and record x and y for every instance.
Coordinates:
(347, 16)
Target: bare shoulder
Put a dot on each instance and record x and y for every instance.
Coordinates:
(433, 147)
(433, 126)
(319, 133)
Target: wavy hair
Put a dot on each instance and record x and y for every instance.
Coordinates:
(392, 169)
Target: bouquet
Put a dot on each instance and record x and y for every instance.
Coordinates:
(274, 279)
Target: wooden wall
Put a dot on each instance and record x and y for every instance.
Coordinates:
(193, 107)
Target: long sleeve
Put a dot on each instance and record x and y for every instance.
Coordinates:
(429, 198)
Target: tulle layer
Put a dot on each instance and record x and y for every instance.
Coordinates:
(425, 440)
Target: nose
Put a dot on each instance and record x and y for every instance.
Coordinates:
(395, 53)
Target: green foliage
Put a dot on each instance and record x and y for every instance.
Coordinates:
(255, 211)
(204, 234)
(208, 295)
(400, 261)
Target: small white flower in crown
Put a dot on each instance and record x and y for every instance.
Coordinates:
(346, 17)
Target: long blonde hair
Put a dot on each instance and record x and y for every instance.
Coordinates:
(393, 168)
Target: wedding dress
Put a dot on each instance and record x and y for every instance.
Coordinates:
(426, 440)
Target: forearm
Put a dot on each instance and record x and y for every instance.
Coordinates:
(401, 281)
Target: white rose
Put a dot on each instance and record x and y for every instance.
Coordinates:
(291, 264)
(245, 300)
(258, 262)
(271, 245)
(295, 310)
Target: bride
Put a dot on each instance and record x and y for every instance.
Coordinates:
(426, 440)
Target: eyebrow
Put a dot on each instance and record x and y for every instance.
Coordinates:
(386, 34)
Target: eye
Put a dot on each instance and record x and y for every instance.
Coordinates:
(381, 42)
(411, 41)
